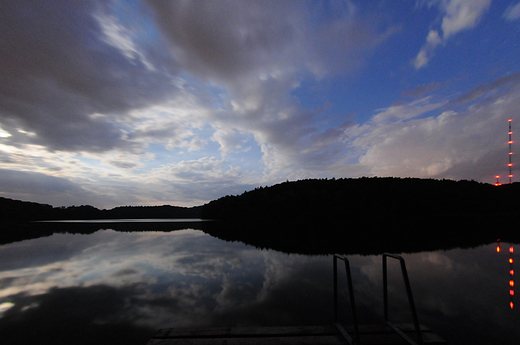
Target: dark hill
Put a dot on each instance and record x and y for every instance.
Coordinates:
(16, 210)
(376, 214)
(353, 198)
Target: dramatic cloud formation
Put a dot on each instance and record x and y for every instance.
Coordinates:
(180, 102)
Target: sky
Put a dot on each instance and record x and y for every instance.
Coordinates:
(116, 102)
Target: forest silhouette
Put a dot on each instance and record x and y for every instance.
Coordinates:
(314, 216)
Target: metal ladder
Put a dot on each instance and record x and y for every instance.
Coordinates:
(340, 328)
(410, 300)
(343, 332)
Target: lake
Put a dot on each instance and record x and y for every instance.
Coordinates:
(113, 287)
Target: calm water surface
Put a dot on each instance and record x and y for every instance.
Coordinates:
(112, 287)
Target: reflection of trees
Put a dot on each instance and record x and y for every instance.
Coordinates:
(377, 236)
(22, 231)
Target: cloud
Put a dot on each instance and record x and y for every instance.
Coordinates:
(487, 89)
(69, 77)
(462, 15)
(117, 35)
(173, 123)
(405, 111)
(458, 15)
(426, 52)
(421, 90)
(48, 189)
(226, 39)
(512, 13)
(259, 53)
(417, 148)
(4, 134)
(23, 182)
(198, 180)
(471, 143)
(181, 102)
(111, 95)
(123, 165)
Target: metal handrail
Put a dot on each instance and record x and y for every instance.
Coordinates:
(352, 302)
(410, 300)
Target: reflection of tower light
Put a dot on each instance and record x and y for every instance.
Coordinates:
(511, 272)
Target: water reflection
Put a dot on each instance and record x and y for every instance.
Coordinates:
(88, 284)
(511, 273)
(111, 287)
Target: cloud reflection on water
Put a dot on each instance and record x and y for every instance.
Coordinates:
(182, 278)
(131, 284)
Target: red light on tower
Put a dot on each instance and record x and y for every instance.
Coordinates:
(510, 165)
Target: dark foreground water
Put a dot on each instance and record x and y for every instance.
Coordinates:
(118, 288)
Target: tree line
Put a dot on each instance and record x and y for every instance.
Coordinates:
(314, 216)
(319, 198)
(368, 215)
(16, 210)
(308, 199)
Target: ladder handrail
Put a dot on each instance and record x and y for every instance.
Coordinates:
(410, 299)
(351, 295)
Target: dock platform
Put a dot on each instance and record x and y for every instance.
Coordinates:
(321, 335)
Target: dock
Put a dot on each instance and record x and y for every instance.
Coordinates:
(320, 335)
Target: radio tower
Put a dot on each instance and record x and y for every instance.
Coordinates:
(510, 165)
